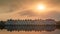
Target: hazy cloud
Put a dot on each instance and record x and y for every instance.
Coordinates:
(50, 14)
(8, 6)
(27, 13)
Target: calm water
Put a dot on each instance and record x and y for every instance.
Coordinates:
(30, 30)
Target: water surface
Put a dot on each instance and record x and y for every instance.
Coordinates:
(24, 29)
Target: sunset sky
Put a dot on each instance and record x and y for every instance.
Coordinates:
(29, 9)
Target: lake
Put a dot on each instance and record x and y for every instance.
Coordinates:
(30, 29)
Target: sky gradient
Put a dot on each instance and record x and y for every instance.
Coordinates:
(24, 9)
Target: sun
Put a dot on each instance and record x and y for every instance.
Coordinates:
(40, 7)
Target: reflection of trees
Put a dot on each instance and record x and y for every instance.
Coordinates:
(58, 27)
(30, 28)
(58, 23)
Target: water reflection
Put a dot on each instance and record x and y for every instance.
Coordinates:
(30, 28)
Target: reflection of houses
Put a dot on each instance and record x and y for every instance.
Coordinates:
(31, 22)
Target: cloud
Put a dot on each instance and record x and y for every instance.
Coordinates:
(55, 15)
(7, 6)
(51, 14)
(27, 13)
(10, 6)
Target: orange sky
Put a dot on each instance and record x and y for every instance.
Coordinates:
(26, 9)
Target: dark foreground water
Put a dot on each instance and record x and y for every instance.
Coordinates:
(30, 29)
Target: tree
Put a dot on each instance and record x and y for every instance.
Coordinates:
(2, 24)
(58, 23)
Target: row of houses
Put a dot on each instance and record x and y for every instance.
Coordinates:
(31, 22)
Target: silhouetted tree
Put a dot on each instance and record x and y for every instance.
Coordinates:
(2, 24)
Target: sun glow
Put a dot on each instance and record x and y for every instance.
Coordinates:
(40, 7)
